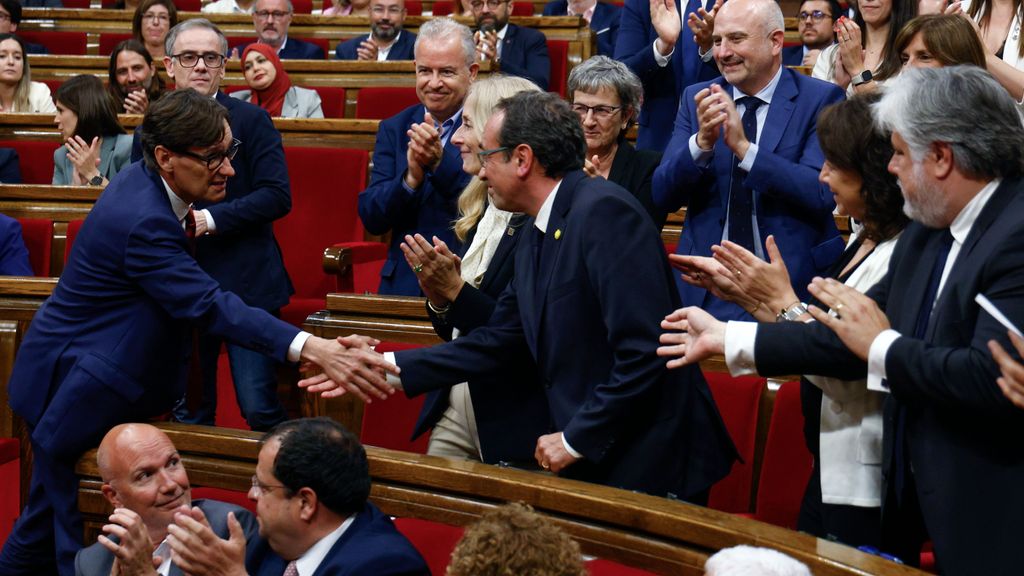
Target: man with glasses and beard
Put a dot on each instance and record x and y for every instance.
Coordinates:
(133, 80)
(386, 41)
(272, 18)
(517, 51)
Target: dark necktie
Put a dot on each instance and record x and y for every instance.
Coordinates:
(194, 383)
(190, 230)
(741, 199)
(538, 247)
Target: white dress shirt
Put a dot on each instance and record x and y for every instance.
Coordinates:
(312, 558)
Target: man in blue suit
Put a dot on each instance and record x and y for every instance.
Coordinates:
(667, 58)
(13, 254)
(602, 17)
(748, 169)
(516, 50)
(312, 510)
(112, 343)
(814, 24)
(417, 173)
(10, 17)
(272, 18)
(386, 41)
(10, 168)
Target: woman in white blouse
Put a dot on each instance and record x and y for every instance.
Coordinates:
(18, 93)
(998, 23)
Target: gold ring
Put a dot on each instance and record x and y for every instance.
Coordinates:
(838, 307)
(736, 272)
(545, 465)
(417, 268)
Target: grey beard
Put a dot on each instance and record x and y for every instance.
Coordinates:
(385, 35)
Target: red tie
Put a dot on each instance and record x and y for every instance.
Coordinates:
(291, 569)
(190, 230)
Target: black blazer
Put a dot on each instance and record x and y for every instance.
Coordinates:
(510, 406)
(10, 166)
(524, 53)
(402, 50)
(964, 436)
(633, 170)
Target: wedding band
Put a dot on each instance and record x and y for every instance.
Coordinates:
(545, 465)
(838, 307)
(417, 268)
(736, 272)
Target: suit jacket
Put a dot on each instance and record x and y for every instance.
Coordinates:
(31, 48)
(524, 53)
(510, 407)
(243, 255)
(387, 206)
(115, 154)
(638, 425)
(10, 167)
(370, 546)
(634, 170)
(662, 86)
(789, 200)
(401, 50)
(114, 335)
(298, 102)
(963, 434)
(604, 22)
(95, 560)
(793, 55)
(13, 254)
(295, 49)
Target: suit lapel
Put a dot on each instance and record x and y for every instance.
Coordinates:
(503, 251)
(917, 285)
(553, 238)
(107, 146)
(779, 112)
(291, 103)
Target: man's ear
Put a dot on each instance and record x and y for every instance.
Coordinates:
(164, 159)
(522, 155)
(941, 154)
(111, 495)
(308, 503)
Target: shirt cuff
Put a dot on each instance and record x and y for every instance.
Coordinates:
(876, 360)
(406, 186)
(661, 60)
(700, 156)
(295, 348)
(748, 159)
(211, 226)
(740, 338)
(569, 449)
(392, 380)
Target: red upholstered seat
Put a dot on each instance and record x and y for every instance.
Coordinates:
(10, 479)
(558, 52)
(35, 159)
(236, 88)
(228, 415)
(52, 84)
(389, 424)
(434, 541)
(332, 100)
(38, 236)
(602, 567)
(381, 102)
(237, 41)
(443, 8)
(414, 8)
(787, 463)
(522, 8)
(108, 40)
(57, 42)
(230, 496)
(300, 6)
(323, 43)
(737, 400)
(73, 227)
(82, 4)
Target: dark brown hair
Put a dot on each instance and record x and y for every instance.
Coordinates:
(985, 9)
(949, 37)
(89, 100)
(144, 6)
(889, 64)
(156, 87)
(179, 120)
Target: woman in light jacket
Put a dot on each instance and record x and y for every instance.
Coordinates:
(96, 147)
(271, 89)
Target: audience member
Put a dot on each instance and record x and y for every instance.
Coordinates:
(746, 560)
(10, 17)
(10, 169)
(919, 334)
(95, 146)
(815, 23)
(347, 8)
(666, 58)
(386, 40)
(606, 96)
(998, 24)
(311, 488)
(272, 18)
(272, 89)
(133, 81)
(111, 344)
(843, 420)
(936, 40)
(496, 418)
(619, 418)
(603, 18)
(1011, 381)
(229, 7)
(516, 50)
(43, 4)
(513, 539)
(864, 53)
(235, 241)
(744, 157)
(417, 173)
(13, 254)
(145, 481)
(152, 20)
(18, 93)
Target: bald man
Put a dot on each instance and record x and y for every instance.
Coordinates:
(146, 483)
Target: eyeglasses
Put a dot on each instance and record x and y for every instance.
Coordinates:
(264, 14)
(260, 487)
(485, 154)
(156, 17)
(378, 10)
(214, 160)
(5, 17)
(492, 4)
(600, 112)
(190, 59)
(816, 15)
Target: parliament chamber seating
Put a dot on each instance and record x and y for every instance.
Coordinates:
(57, 42)
(558, 53)
(389, 424)
(35, 159)
(298, 6)
(74, 227)
(739, 401)
(108, 40)
(37, 234)
(414, 8)
(10, 460)
(383, 102)
(332, 100)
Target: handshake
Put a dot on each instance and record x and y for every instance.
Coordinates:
(349, 365)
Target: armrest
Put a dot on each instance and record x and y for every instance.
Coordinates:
(340, 259)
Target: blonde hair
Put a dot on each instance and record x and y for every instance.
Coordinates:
(21, 103)
(484, 95)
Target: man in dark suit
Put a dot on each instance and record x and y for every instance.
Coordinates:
(386, 41)
(236, 244)
(815, 21)
(13, 254)
(272, 18)
(10, 17)
(744, 156)
(312, 510)
(618, 416)
(111, 344)
(667, 58)
(516, 50)
(952, 460)
(10, 168)
(603, 18)
(145, 481)
(417, 173)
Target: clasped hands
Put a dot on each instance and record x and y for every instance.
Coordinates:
(350, 365)
(666, 22)
(438, 270)
(85, 157)
(716, 114)
(486, 45)
(424, 151)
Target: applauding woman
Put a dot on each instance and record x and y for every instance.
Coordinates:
(18, 93)
(96, 147)
(271, 89)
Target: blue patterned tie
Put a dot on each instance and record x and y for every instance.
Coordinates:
(741, 198)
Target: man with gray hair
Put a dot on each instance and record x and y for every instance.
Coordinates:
(746, 560)
(953, 463)
(417, 172)
(272, 18)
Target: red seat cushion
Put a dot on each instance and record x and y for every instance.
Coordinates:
(57, 42)
(323, 43)
(434, 541)
(389, 423)
(10, 479)
(738, 400)
(228, 415)
(38, 236)
(443, 8)
(332, 100)
(82, 4)
(9, 450)
(558, 52)
(35, 159)
(787, 463)
(108, 40)
(380, 102)
(188, 6)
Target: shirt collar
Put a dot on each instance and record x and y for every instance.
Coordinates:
(283, 44)
(544, 214)
(503, 31)
(964, 221)
(386, 49)
(766, 93)
(307, 564)
(179, 206)
(164, 552)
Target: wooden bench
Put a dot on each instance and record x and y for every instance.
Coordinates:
(60, 204)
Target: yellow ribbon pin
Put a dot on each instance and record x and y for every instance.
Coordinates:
(558, 234)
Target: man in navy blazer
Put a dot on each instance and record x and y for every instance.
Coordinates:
(112, 342)
(10, 168)
(743, 188)
(516, 50)
(666, 57)
(417, 173)
(815, 20)
(952, 460)
(602, 17)
(272, 18)
(13, 254)
(312, 509)
(386, 41)
(9, 25)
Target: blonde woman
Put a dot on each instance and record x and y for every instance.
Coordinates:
(18, 93)
(497, 420)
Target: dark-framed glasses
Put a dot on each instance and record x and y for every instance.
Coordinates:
(278, 14)
(483, 155)
(601, 112)
(816, 15)
(260, 487)
(492, 4)
(190, 59)
(214, 160)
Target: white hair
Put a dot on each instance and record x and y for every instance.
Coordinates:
(752, 561)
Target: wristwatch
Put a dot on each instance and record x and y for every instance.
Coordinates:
(862, 78)
(792, 313)
(96, 180)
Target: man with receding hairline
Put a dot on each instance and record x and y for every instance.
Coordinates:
(386, 40)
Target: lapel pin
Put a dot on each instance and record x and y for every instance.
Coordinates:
(558, 234)
(510, 231)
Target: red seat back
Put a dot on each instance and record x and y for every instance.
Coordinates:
(323, 43)
(413, 8)
(382, 102)
(82, 4)
(10, 479)
(73, 227)
(57, 42)
(389, 424)
(434, 541)
(35, 159)
(558, 53)
(302, 6)
(332, 100)
(522, 8)
(787, 464)
(602, 567)
(443, 7)
(108, 40)
(52, 85)
(237, 41)
(230, 496)
(738, 400)
(38, 236)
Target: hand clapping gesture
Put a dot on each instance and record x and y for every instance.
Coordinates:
(85, 158)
